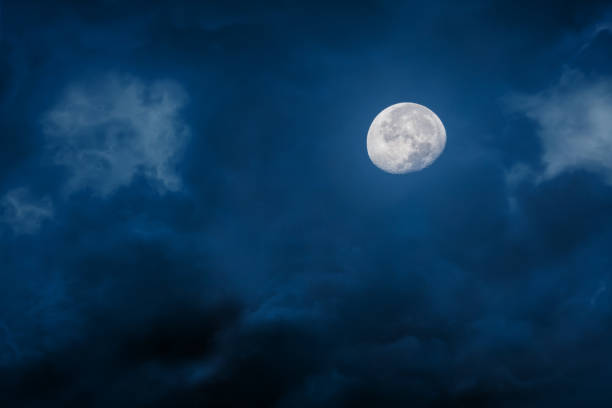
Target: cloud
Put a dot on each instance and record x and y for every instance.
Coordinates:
(574, 124)
(23, 213)
(109, 132)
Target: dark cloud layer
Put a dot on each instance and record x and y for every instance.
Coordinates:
(246, 253)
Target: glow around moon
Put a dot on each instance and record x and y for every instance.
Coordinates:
(405, 137)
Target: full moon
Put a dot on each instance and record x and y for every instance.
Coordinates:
(405, 137)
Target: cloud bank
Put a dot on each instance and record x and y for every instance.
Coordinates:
(112, 131)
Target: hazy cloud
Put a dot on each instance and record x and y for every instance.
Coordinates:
(24, 213)
(108, 132)
(574, 119)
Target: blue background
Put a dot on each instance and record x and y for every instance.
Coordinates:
(285, 269)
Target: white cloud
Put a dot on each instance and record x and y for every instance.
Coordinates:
(108, 132)
(23, 213)
(574, 119)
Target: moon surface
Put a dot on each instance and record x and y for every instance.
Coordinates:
(405, 137)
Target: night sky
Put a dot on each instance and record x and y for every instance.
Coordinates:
(189, 216)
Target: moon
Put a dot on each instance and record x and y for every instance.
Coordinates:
(405, 137)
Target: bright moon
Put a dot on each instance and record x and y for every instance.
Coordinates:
(405, 137)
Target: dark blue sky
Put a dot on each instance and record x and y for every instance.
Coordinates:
(189, 217)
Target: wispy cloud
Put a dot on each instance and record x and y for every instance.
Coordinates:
(108, 132)
(23, 213)
(574, 119)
